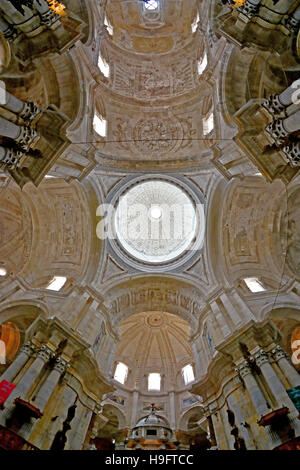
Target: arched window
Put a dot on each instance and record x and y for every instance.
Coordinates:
(121, 373)
(195, 23)
(10, 338)
(154, 380)
(208, 124)
(151, 5)
(2, 352)
(188, 374)
(254, 284)
(99, 124)
(103, 66)
(202, 64)
(56, 283)
(3, 272)
(109, 27)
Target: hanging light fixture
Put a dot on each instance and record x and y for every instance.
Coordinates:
(57, 7)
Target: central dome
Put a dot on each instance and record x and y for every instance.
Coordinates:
(155, 221)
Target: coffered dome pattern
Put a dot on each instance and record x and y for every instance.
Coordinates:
(156, 221)
(149, 225)
(154, 342)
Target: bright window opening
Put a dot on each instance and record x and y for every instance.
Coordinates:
(121, 373)
(254, 284)
(202, 64)
(109, 27)
(188, 374)
(208, 124)
(195, 23)
(151, 4)
(3, 272)
(154, 381)
(57, 283)
(103, 66)
(99, 125)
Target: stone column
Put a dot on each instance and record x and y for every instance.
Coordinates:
(22, 135)
(278, 103)
(292, 122)
(26, 110)
(286, 96)
(12, 103)
(293, 21)
(234, 406)
(25, 353)
(172, 411)
(48, 16)
(49, 385)
(279, 392)
(211, 429)
(10, 157)
(9, 129)
(26, 381)
(41, 6)
(250, 8)
(135, 399)
(285, 365)
(10, 33)
(253, 388)
(292, 152)
(46, 438)
(79, 428)
(280, 129)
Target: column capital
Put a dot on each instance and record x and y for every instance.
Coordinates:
(277, 132)
(292, 152)
(28, 348)
(273, 105)
(61, 365)
(279, 353)
(261, 357)
(49, 17)
(45, 353)
(29, 112)
(243, 369)
(249, 9)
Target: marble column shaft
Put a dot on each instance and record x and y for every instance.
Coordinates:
(253, 388)
(277, 389)
(9, 129)
(292, 122)
(286, 96)
(11, 372)
(26, 381)
(49, 385)
(285, 365)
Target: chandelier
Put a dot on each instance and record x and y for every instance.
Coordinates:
(57, 7)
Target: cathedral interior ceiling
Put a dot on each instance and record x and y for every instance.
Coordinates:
(155, 100)
(157, 104)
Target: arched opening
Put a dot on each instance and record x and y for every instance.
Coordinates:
(287, 321)
(11, 336)
(13, 325)
(109, 429)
